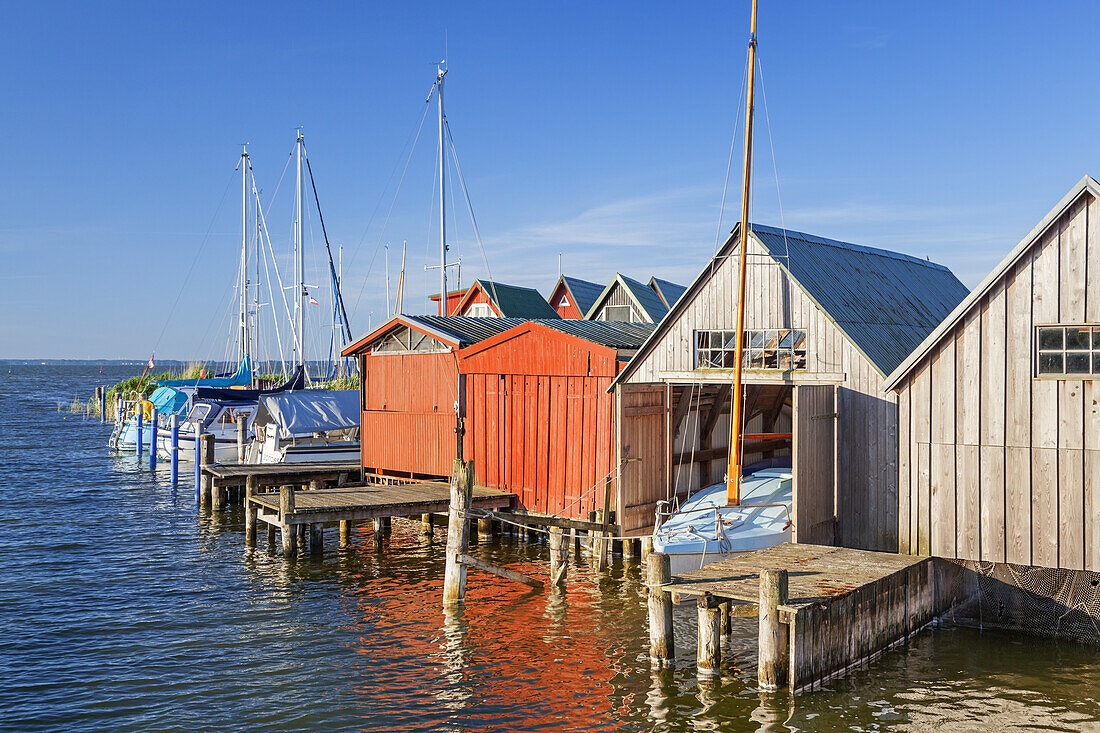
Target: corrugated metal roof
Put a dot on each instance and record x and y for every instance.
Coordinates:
(669, 292)
(886, 302)
(515, 302)
(614, 334)
(468, 329)
(584, 293)
(646, 298)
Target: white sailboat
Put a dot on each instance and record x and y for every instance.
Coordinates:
(751, 509)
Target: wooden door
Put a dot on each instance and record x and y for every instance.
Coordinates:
(643, 455)
(814, 464)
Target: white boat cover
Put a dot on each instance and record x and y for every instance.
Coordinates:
(309, 411)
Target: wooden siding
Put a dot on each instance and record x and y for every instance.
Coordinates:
(408, 420)
(814, 470)
(866, 429)
(642, 451)
(570, 309)
(997, 465)
(539, 418)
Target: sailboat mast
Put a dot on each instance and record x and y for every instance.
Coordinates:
(733, 475)
(444, 309)
(299, 251)
(244, 345)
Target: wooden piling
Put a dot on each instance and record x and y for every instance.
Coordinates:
(458, 533)
(727, 611)
(198, 463)
(154, 425)
(708, 659)
(601, 546)
(382, 527)
(772, 657)
(426, 525)
(140, 445)
(485, 529)
(101, 400)
(559, 557)
(241, 433)
(250, 512)
(316, 538)
(647, 547)
(271, 538)
(662, 648)
(207, 460)
(345, 534)
(289, 531)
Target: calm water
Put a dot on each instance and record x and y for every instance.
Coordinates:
(122, 608)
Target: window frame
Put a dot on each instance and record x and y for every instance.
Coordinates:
(762, 345)
(1064, 351)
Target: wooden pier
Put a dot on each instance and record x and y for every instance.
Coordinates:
(225, 483)
(823, 610)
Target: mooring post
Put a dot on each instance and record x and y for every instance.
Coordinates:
(559, 556)
(316, 538)
(249, 512)
(458, 532)
(140, 430)
(240, 438)
(658, 575)
(772, 657)
(426, 525)
(270, 537)
(101, 398)
(602, 544)
(485, 529)
(198, 463)
(727, 611)
(207, 460)
(381, 528)
(647, 547)
(708, 660)
(175, 457)
(289, 531)
(154, 426)
(345, 534)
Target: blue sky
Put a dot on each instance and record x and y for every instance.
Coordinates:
(600, 131)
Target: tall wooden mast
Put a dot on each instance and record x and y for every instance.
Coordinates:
(733, 474)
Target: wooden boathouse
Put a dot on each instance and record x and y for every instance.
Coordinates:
(534, 397)
(826, 321)
(999, 418)
(572, 297)
(626, 299)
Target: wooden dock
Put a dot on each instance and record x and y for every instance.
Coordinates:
(838, 608)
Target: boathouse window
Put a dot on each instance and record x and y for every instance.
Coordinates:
(617, 313)
(780, 349)
(480, 310)
(1067, 351)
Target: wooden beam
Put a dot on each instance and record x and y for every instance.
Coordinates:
(715, 410)
(498, 571)
(681, 411)
(535, 520)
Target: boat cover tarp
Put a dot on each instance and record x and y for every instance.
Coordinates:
(169, 401)
(296, 381)
(309, 411)
(241, 378)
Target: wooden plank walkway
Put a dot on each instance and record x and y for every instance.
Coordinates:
(359, 502)
(844, 606)
(233, 475)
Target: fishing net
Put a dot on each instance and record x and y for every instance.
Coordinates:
(1042, 601)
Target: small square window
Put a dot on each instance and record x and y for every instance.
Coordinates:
(1096, 338)
(1077, 363)
(1051, 363)
(1077, 339)
(1051, 338)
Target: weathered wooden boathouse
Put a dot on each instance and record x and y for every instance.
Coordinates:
(626, 299)
(489, 299)
(534, 396)
(1000, 409)
(826, 321)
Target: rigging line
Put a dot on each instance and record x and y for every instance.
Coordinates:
(470, 208)
(328, 248)
(389, 213)
(275, 265)
(775, 171)
(271, 201)
(733, 147)
(195, 260)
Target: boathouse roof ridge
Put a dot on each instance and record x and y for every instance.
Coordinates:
(895, 376)
(511, 301)
(614, 334)
(468, 329)
(884, 302)
(668, 291)
(584, 292)
(644, 297)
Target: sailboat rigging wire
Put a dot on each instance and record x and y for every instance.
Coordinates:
(278, 277)
(733, 146)
(389, 212)
(470, 208)
(328, 248)
(195, 260)
(775, 171)
(271, 201)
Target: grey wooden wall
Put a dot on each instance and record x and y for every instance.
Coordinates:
(866, 457)
(996, 464)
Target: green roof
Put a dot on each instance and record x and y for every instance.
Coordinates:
(513, 301)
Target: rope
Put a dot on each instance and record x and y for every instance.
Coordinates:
(733, 146)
